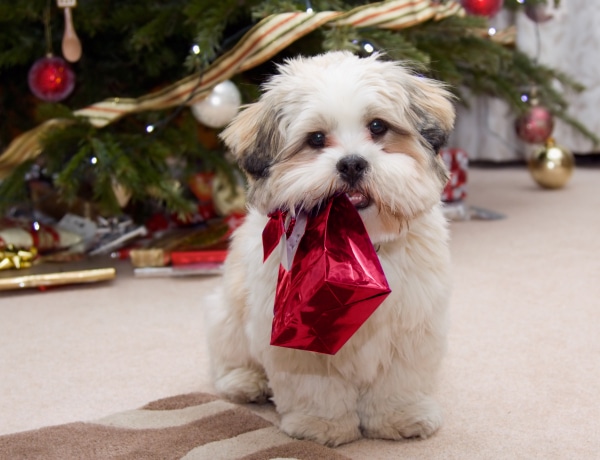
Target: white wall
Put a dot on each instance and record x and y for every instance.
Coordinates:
(569, 42)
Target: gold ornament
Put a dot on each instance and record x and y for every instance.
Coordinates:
(228, 198)
(551, 166)
(122, 193)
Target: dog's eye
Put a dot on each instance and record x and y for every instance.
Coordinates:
(377, 127)
(316, 140)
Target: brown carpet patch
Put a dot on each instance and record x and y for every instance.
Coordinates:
(304, 450)
(100, 440)
(180, 401)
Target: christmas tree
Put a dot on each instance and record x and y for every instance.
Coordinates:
(121, 123)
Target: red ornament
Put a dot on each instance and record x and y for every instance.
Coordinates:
(51, 79)
(487, 8)
(535, 126)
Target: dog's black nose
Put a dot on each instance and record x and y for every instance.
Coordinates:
(352, 168)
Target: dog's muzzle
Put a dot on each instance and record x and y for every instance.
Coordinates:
(352, 168)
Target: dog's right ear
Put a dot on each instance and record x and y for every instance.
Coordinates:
(254, 139)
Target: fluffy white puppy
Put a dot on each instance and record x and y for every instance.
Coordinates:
(367, 127)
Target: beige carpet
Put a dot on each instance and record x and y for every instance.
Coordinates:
(521, 380)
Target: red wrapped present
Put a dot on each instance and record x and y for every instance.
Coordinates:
(335, 281)
(457, 162)
(215, 254)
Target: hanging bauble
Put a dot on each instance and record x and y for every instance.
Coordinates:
(220, 106)
(551, 166)
(535, 126)
(121, 192)
(486, 8)
(537, 13)
(51, 79)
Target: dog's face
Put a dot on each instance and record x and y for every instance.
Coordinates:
(336, 123)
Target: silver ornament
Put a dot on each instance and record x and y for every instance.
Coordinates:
(220, 106)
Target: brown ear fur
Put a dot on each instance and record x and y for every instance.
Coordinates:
(254, 139)
(433, 109)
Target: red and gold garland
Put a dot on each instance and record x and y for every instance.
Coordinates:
(262, 42)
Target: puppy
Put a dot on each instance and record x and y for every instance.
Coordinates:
(336, 123)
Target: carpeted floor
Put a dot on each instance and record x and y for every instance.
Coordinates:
(195, 426)
(521, 379)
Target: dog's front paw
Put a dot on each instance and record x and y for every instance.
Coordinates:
(244, 385)
(419, 420)
(328, 432)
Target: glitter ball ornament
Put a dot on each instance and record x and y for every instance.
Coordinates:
(535, 126)
(486, 8)
(51, 79)
(551, 166)
(221, 105)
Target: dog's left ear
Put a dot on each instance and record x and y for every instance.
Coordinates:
(433, 110)
(253, 138)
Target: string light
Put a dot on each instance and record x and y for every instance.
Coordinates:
(94, 160)
(492, 31)
(154, 128)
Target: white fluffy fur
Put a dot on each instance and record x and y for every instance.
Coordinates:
(380, 383)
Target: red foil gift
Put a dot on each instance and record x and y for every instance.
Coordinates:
(335, 281)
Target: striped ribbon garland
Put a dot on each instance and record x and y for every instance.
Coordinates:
(262, 42)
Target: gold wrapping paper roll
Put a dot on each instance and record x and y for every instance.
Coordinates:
(42, 280)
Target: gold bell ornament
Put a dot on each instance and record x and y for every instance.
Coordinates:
(551, 166)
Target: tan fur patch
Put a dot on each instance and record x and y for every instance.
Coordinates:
(406, 144)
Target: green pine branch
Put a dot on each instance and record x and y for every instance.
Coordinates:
(132, 48)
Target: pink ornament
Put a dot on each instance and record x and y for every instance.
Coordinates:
(535, 126)
(537, 13)
(51, 79)
(486, 8)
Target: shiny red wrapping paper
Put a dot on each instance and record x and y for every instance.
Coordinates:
(334, 284)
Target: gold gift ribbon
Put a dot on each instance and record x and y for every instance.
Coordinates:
(10, 257)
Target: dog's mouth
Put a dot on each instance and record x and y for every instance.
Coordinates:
(358, 199)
